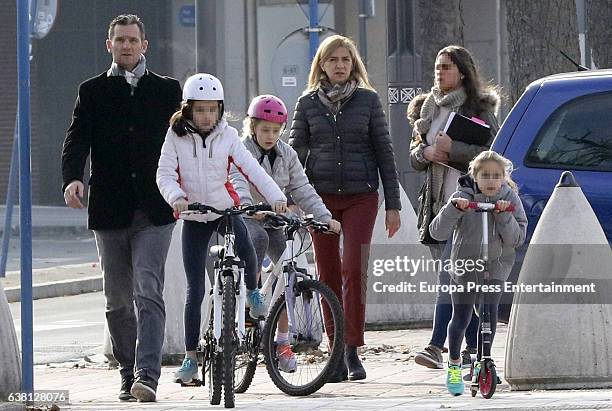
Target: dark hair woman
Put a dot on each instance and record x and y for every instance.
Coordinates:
(457, 88)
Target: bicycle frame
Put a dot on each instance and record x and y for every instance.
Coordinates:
(291, 273)
(226, 264)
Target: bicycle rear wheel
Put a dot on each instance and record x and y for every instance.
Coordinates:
(247, 357)
(317, 355)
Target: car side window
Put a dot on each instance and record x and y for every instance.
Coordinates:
(578, 136)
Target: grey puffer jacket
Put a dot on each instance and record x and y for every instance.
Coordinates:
(287, 173)
(460, 156)
(344, 153)
(507, 230)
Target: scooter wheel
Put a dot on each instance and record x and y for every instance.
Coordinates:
(487, 380)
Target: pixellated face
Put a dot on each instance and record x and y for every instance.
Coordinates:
(447, 74)
(205, 114)
(126, 45)
(267, 133)
(490, 177)
(338, 66)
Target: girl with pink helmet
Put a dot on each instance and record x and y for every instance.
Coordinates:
(263, 127)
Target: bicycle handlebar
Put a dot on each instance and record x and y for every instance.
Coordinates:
(486, 207)
(236, 210)
(281, 220)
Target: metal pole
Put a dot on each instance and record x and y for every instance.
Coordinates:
(25, 194)
(363, 46)
(313, 12)
(10, 200)
(197, 32)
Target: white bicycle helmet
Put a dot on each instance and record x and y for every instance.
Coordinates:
(203, 86)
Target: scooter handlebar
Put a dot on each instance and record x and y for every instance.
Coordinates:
(488, 206)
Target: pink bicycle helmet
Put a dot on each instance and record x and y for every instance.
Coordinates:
(268, 107)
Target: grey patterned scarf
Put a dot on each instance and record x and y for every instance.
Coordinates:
(332, 96)
(430, 109)
(131, 77)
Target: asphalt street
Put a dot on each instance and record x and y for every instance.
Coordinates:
(65, 328)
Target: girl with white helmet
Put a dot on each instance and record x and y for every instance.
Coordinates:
(263, 126)
(194, 165)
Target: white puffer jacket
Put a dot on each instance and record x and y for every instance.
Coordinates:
(188, 168)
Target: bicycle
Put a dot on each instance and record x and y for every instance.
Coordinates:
(483, 374)
(302, 298)
(226, 333)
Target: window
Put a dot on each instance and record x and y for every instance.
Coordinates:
(578, 136)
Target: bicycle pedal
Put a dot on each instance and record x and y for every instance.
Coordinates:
(193, 383)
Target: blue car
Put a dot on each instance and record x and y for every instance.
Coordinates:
(561, 122)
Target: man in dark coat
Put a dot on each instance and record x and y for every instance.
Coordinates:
(120, 118)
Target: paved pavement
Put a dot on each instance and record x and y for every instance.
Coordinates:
(394, 382)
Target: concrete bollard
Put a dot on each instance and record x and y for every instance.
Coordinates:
(552, 344)
(407, 309)
(10, 371)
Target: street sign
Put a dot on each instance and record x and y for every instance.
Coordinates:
(187, 16)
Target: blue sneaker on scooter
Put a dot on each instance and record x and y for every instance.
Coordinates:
(454, 382)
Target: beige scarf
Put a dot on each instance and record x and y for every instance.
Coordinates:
(430, 109)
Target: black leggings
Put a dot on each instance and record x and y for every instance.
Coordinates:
(463, 307)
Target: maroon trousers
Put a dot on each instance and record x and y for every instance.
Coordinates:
(346, 274)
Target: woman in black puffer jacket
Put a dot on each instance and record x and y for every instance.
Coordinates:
(340, 133)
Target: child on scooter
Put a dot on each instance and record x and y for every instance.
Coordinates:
(489, 181)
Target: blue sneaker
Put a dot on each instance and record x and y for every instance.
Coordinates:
(187, 373)
(454, 382)
(257, 303)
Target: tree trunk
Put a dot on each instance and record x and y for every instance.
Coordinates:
(599, 18)
(441, 24)
(537, 30)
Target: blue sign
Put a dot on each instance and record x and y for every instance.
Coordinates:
(187, 16)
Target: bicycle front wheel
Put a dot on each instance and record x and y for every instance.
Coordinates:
(228, 339)
(316, 353)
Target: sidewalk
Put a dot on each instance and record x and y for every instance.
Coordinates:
(394, 382)
(48, 220)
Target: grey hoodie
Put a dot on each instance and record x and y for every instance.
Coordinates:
(506, 230)
(288, 174)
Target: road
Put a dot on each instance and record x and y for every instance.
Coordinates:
(65, 328)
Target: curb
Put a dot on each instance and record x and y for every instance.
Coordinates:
(57, 289)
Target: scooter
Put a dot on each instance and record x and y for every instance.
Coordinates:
(483, 372)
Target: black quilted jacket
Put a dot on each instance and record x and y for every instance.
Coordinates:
(344, 154)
